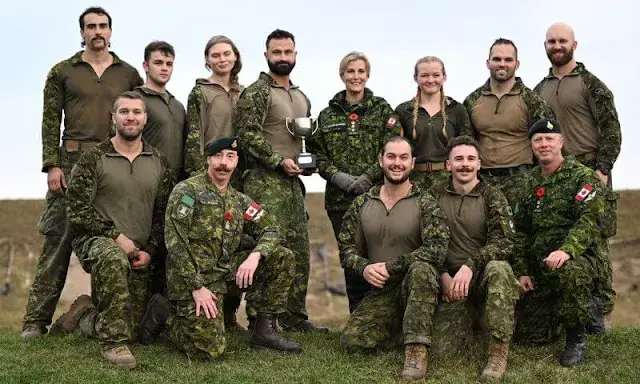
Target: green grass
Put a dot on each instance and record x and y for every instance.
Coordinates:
(611, 358)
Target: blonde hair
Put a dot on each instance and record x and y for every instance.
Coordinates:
(353, 56)
(418, 99)
(237, 66)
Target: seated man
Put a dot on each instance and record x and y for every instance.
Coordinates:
(394, 236)
(481, 227)
(558, 256)
(116, 200)
(205, 221)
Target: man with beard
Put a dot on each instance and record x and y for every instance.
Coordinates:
(205, 221)
(272, 175)
(501, 112)
(164, 130)
(558, 255)
(481, 225)
(394, 236)
(584, 106)
(84, 86)
(115, 203)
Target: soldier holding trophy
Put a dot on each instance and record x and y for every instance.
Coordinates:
(352, 132)
(272, 174)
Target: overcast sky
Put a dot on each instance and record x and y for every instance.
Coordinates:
(394, 34)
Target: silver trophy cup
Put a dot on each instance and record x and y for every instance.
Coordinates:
(303, 127)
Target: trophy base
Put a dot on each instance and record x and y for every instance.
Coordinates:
(306, 161)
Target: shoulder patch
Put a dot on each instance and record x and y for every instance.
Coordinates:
(187, 200)
(254, 212)
(584, 192)
(392, 120)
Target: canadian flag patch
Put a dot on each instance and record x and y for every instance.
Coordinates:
(252, 212)
(584, 192)
(391, 121)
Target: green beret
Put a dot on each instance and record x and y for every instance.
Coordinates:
(221, 143)
(544, 125)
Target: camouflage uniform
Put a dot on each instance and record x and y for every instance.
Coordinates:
(509, 180)
(403, 309)
(266, 183)
(564, 212)
(203, 232)
(598, 109)
(89, 122)
(119, 293)
(344, 130)
(494, 289)
(197, 110)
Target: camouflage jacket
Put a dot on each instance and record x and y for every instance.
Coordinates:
(605, 114)
(251, 111)
(349, 139)
(203, 230)
(499, 224)
(537, 108)
(98, 204)
(435, 236)
(72, 86)
(563, 211)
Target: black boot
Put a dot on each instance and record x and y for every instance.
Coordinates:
(595, 325)
(265, 335)
(575, 347)
(158, 311)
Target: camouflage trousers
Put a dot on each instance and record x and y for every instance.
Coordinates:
(283, 196)
(510, 184)
(559, 300)
(401, 311)
(118, 292)
(425, 180)
(51, 271)
(201, 338)
(493, 292)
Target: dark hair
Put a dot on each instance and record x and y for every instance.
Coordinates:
(131, 95)
(237, 66)
(463, 140)
(97, 10)
(396, 139)
(503, 41)
(280, 34)
(158, 46)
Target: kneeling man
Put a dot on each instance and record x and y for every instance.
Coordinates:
(394, 236)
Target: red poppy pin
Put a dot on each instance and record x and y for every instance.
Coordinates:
(227, 216)
(353, 117)
(540, 192)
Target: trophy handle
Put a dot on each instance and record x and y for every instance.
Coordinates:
(287, 121)
(316, 127)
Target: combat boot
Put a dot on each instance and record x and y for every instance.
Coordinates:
(575, 347)
(69, 321)
(158, 311)
(595, 325)
(497, 364)
(265, 335)
(121, 356)
(415, 361)
(32, 332)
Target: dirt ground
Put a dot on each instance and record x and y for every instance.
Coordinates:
(18, 230)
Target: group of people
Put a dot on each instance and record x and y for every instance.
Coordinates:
(503, 200)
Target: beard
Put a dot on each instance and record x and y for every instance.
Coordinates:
(389, 177)
(129, 135)
(566, 57)
(281, 68)
(509, 75)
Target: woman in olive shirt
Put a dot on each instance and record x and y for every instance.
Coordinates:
(430, 120)
(211, 103)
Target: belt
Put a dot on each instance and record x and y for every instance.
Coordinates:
(510, 171)
(586, 157)
(429, 166)
(77, 145)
